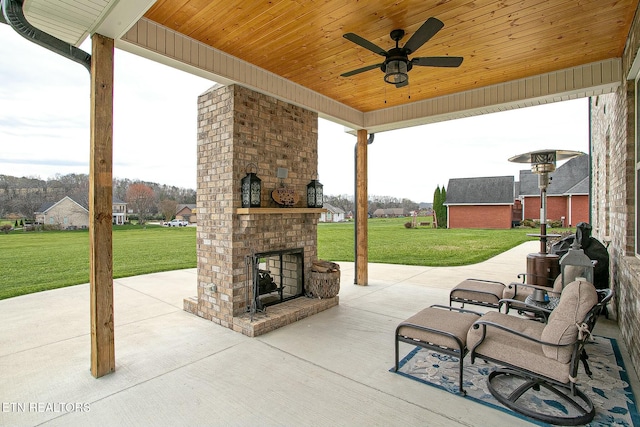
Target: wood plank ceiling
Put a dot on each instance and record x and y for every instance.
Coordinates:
(500, 41)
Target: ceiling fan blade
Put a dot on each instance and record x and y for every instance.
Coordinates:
(360, 70)
(430, 27)
(365, 44)
(403, 84)
(438, 61)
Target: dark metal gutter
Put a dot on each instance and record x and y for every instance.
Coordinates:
(13, 15)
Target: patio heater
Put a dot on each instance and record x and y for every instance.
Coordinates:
(543, 266)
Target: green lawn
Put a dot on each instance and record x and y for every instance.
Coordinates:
(36, 261)
(390, 242)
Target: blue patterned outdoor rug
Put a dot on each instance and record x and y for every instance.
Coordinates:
(608, 388)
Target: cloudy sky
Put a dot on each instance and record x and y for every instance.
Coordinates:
(44, 129)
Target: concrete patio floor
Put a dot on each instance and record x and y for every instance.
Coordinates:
(174, 368)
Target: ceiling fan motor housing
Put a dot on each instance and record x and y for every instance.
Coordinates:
(396, 54)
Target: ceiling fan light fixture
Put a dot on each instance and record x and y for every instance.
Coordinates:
(396, 72)
(397, 64)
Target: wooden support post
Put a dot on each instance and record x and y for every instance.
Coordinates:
(362, 211)
(100, 207)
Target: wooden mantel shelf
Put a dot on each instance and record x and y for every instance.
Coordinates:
(284, 211)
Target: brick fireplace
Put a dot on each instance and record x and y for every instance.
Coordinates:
(237, 127)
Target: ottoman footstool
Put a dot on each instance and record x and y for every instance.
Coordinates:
(485, 293)
(439, 328)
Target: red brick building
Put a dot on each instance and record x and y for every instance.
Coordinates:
(492, 202)
(567, 193)
(480, 202)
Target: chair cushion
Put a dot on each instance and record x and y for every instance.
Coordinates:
(516, 292)
(440, 321)
(577, 299)
(478, 290)
(513, 350)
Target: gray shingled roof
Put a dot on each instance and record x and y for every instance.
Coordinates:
(333, 209)
(567, 179)
(481, 191)
(580, 188)
(389, 211)
(48, 205)
(395, 211)
(528, 183)
(191, 206)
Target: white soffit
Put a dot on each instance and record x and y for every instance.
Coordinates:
(122, 16)
(158, 43)
(571, 83)
(74, 20)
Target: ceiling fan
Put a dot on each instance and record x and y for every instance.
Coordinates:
(397, 63)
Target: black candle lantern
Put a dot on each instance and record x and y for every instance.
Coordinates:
(314, 194)
(251, 189)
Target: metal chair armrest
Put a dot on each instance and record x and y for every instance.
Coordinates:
(516, 285)
(523, 306)
(458, 309)
(484, 323)
(486, 281)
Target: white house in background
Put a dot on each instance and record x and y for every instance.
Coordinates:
(119, 212)
(333, 214)
(68, 213)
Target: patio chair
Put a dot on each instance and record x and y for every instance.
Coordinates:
(535, 300)
(528, 298)
(488, 293)
(533, 356)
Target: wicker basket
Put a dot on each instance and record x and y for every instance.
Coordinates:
(324, 285)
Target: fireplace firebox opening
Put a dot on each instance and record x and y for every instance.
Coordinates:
(276, 276)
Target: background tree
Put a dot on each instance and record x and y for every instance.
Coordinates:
(436, 202)
(141, 199)
(29, 202)
(120, 187)
(25, 195)
(443, 197)
(439, 209)
(409, 205)
(73, 185)
(168, 208)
